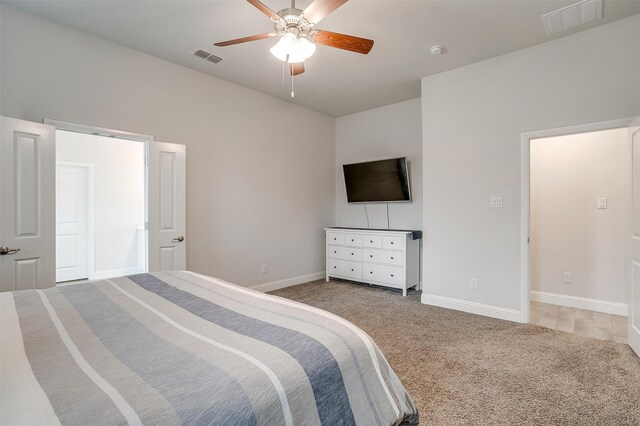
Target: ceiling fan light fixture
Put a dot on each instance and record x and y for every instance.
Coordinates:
(293, 48)
(303, 50)
(284, 46)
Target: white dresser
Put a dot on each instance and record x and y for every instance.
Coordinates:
(381, 257)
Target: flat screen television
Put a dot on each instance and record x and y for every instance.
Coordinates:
(377, 181)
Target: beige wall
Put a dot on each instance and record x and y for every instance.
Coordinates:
(386, 132)
(472, 121)
(568, 232)
(260, 171)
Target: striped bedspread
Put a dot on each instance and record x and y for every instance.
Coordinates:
(181, 348)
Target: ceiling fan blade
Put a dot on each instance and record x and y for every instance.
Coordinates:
(264, 9)
(319, 9)
(244, 39)
(343, 41)
(295, 69)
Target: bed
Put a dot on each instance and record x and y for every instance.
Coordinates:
(182, 348)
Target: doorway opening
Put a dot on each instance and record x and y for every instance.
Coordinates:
(579, 186)
(576, 197)
(100, 206)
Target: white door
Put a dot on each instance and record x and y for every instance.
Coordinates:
(27, 205)
(72, 221)
(634, 240)
(167, 187)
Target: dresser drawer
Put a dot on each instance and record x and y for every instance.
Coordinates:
(345, 253)
(335, 238)
(372, 241)
(354, 240)
(335, 267)
(353, 270)
(382, 256)
(351, 253)
(335, 252)
(383, 274)
(392, 242)
(344, 268)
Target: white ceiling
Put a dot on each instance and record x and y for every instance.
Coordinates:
(336, 82)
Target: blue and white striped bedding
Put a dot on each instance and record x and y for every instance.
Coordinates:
(181, 348)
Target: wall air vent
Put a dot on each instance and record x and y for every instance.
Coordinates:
(208, 56)
(572, 16)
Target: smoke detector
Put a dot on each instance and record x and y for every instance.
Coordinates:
(436, 50)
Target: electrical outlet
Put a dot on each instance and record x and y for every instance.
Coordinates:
(474, 284)
(264, 268)
(567, 277)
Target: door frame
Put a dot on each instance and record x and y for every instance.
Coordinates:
(525, 202)
(90, 213)
(116, 134)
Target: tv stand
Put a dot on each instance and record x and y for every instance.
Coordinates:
(383, 257)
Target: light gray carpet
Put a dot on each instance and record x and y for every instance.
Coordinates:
(468, 369)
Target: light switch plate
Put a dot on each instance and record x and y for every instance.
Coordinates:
(496, 202)
(602, 203)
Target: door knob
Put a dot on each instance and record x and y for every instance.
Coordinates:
(178, 239)
(6, 250)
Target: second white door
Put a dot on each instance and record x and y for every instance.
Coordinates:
(72, 221)
(167, 198)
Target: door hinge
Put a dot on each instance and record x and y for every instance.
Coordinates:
(146, 226)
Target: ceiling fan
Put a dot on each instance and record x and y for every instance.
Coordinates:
(298, 37)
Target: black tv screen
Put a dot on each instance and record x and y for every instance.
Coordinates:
(377, 181)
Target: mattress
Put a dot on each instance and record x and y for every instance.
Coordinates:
(182, 348)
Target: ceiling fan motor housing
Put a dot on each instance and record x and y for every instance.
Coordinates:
(291, 18)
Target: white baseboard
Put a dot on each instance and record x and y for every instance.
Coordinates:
(288, 282)
(103, 275)
(472, 307)
(603, 306)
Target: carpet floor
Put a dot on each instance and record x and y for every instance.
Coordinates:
(465, 369)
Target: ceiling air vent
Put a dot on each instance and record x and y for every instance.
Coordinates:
(572, 16)
(208, 56)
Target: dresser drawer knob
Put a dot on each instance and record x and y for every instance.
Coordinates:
(391, 242)
(351, 269)
(371, 241)
(351, 254)
(371, 272)
(335, 251)
(370, 255)
(352, 239)
(391, 274)
(391, 257)
(334, 267)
